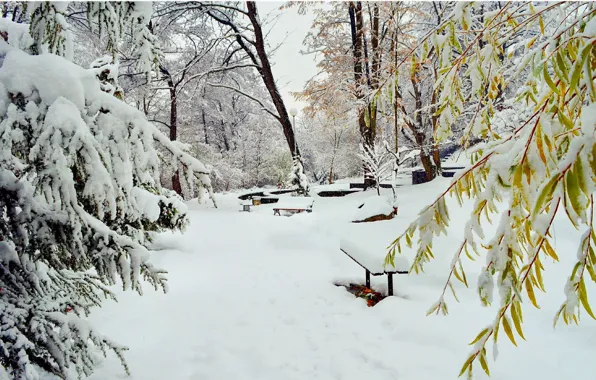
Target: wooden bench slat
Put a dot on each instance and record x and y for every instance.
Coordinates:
(294, 204)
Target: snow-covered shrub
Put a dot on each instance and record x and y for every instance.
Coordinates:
(298, 179)
(79, 199)
(375, 208)
(379, 161)
(17, 35)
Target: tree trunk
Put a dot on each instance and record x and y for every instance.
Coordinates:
(396, 98)
(435, 123)
(426, 152)
(267, 75)
(366, 131)
(376, 51)
(205, 127)
(176, 185)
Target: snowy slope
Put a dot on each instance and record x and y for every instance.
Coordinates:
(252, 297)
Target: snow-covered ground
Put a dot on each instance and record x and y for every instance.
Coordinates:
(252, 296)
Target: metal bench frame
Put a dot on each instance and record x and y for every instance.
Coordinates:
(389, 274)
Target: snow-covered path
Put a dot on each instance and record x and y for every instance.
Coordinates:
(252, 297)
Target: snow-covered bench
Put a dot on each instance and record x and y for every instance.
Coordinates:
(293, 205)
(373, 262)
(246, 205)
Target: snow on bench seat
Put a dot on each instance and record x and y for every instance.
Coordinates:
(373, 259)
(293, 204)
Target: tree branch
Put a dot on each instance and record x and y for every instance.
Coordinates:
(248, 96)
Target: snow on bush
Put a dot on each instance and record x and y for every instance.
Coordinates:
(298, 179)
(17, 35)
(79, 199)
(373, 206)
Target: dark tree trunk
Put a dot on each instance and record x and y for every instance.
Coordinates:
(396, 100)
(176, 185)
(426, 152)
(267, 75)
(222, 125)
(366, 131)
(435, 123)
(205, 127)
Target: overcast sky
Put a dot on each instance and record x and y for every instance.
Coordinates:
(291, 69)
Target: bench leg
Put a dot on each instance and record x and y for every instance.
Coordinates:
(367, 279)
(390, 284)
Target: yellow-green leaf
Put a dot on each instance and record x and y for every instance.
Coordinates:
(531, 296)
(539, 277)
(467, 364)
(565, 120)
(463, 274)
(527, 171)
(455, 272)
(545, 194)
(507, 328)
(593, 160)
(591, 254)
(591, 271)
(484, 364)
(549, 250)
(558, 315)
(562, 66)
(517, 320)
(479, 336)
(590, 83)
(408, 240)
(583, 297)
(578, 169)
(517, 176)
(573, 193)
(578, 67)
(549, 80)
(539, 145)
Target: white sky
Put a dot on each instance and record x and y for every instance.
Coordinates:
(290, 68)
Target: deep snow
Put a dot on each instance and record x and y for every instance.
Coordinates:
(252, 296)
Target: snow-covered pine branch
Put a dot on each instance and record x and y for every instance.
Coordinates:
(80, 198)
(49, 28)
(112, 18)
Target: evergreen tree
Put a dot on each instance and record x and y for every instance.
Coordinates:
(297, 177)
(80, 200)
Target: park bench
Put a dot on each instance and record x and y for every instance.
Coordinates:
(372, 261)
(293, 205)
(246, 205)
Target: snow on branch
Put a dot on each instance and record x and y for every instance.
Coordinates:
(263, 106)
